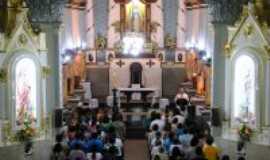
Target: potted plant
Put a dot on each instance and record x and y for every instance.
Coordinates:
(245, 132)
(26, 134)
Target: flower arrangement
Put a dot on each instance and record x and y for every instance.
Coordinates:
(27, 132)
(245, 132)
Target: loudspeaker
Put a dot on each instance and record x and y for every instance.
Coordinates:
(216, 119)
(58, 118)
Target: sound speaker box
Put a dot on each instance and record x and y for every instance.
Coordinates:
(58, 118)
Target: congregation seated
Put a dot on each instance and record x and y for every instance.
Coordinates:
(178, 133)
(91, 136)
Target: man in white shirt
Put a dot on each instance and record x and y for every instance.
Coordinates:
(181, 94)
(159, 122)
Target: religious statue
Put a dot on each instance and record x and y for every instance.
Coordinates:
(135, 13)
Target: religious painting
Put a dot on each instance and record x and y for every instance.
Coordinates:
(25, 91)
(135, 16)
(244, 90)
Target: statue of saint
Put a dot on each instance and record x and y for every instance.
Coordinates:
(135, 12)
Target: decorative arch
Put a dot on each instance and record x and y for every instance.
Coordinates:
(24, 88)
(136, 73)
(246, 87)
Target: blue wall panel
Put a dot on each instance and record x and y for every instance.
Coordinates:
(170, 14)
(101, 23)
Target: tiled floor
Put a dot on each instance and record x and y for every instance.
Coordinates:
(136, 150)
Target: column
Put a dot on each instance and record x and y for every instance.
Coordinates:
(218, 66)
(267, 94)
(218, 76)
(170, 11)
(181, 24)
(101, 25)
(53, 61)
(90, 24)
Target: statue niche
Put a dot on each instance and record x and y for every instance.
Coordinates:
(135, 16)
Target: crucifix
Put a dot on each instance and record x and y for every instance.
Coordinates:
(120, 63)
(150, 63)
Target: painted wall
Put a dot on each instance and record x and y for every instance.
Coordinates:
(157, 16)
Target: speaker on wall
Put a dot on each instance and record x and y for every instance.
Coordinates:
(58, 118)
(216, 118)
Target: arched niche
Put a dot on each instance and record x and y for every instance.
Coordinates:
(24, 88)
(246, 90)
(136, 74)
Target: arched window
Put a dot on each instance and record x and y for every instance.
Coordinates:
(244, 91)
(25, 91)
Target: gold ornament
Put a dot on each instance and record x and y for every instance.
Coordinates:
(3, 75)
(170, 42)
(46, 71)
(267, 48)
(248, 30)
(228, 48)
(22, 40)
(100, 42)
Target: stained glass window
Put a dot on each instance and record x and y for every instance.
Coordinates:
(25, 91)
(244, 90)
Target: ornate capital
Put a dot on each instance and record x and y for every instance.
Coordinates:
(45, 11)
(226, 11)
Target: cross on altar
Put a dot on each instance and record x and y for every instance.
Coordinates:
(150, 63)
(120, 63)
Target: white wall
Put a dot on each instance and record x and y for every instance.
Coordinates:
(199, 31)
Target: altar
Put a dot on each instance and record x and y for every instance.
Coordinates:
(143, 93)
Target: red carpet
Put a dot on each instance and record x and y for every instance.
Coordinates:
(136, 150)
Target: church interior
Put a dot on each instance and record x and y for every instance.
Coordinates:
(134, 79)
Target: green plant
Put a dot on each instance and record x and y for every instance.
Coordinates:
(245, 132)
(27, 132)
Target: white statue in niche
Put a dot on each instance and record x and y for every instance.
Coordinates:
(136, 19)
(244, 90)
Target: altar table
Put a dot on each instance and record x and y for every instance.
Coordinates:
(143, 91)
